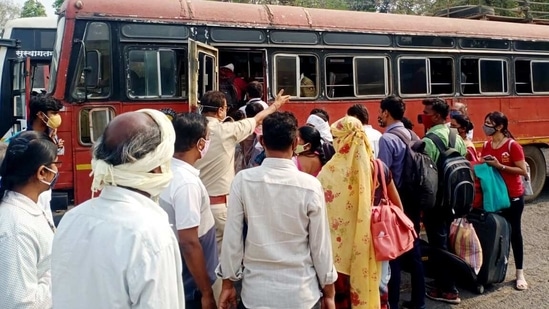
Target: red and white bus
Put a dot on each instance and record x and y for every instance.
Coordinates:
(116, 56)
(25, 56)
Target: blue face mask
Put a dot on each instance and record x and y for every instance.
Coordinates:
(52, 183)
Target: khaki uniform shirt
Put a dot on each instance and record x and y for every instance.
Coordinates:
(217, 166)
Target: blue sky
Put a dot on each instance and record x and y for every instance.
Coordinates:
(47, 3)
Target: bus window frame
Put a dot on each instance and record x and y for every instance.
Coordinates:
(532, 61)
(56, 54)
(157, 49)
(427, 76)
(90, 110)
(353, 57)
(386, 79)
(275, 88)
(505, 77)
(82, 50)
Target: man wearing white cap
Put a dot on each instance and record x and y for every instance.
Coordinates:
(227, 75)
(118, 250)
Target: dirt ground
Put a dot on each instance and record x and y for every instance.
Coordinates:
(536, 267)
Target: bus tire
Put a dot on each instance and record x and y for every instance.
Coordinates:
(538, 171)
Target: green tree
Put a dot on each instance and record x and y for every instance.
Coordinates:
(57, 4)
(8, 10)
(33, 8)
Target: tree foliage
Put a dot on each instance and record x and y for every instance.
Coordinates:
(33, 8)
(8, 10)
(57, 4)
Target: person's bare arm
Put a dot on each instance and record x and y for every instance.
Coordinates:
(279, 101)
(393, 194)
(192, 252)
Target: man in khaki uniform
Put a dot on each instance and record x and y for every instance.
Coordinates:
(217, 166)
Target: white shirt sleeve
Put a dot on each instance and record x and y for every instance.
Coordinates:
(320, 240)
(155, 281)
(187, 200)
(18, 268)
(232, 250)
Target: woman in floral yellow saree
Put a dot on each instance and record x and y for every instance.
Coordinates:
(347, 183)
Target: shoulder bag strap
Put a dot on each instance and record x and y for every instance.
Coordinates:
(381, 171)
(374, 182)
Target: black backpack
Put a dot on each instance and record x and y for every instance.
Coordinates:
(419, 179)
(457, 186)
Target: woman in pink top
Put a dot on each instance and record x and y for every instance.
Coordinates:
(309, 155)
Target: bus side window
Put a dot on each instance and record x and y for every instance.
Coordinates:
(97, 40)
(540, 76)
(442, 75)
(371, 76)
(493, 76)
(339, 77)
(150, 73)
(93, 122)
(297, 75)
(413, 76)
(523, 83)
(469, 76)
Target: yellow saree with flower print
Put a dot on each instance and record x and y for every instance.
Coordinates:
(347, 183)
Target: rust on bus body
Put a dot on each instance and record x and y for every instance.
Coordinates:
(263, 16)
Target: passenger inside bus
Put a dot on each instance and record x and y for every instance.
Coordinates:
(308, 88)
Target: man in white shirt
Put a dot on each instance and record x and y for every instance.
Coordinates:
(187, 204)
(360, 112)
(285, 258)
(118, 250)
(254, 91)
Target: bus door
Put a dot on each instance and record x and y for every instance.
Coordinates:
(203, 71)
(19, 93)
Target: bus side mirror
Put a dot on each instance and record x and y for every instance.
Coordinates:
(93, 68)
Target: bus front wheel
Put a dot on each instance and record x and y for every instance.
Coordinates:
(538, 170)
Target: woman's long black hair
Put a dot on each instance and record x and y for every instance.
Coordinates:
(311, 136)
(25, 154)
(498, 118)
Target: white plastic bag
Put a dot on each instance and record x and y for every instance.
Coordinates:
(527, 183)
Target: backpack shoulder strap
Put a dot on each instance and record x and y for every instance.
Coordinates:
(452, 139)
(437, 141)
(400, 134)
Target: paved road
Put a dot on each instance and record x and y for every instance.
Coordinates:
(504, 296)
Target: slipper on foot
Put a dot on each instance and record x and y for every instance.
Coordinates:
(521, 284)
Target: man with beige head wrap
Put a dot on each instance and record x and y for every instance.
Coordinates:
(118, 250)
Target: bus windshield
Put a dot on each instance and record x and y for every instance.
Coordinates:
(56, 54)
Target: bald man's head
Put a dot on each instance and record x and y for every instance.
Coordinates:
(128, 138)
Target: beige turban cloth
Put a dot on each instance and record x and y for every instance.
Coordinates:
(137, 175)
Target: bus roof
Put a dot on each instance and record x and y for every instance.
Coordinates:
(32, 22)
(287, 17)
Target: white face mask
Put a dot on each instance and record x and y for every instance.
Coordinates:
(205, 149)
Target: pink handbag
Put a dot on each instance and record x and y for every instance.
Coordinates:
(393, 232)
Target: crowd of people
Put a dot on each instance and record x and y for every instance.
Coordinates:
(254, 212)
